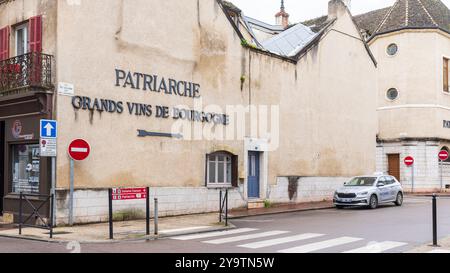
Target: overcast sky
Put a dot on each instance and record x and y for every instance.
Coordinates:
(301, 10)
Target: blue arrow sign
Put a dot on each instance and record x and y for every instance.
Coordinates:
(49, 128)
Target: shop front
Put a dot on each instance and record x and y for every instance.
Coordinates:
(22, 169)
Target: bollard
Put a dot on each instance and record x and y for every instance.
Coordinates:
(156, 216)
(435, 241)
(20, 214)
(220, 206)
(226, 208)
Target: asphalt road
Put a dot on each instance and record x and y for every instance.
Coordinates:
(386, 229)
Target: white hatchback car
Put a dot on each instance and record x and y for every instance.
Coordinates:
(369, 191)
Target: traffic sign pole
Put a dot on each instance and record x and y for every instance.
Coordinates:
(440, 163)
(443, 156)
(78, 150)
(409, 162)
(71, 192)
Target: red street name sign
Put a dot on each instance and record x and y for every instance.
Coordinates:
(409, 160)
(129, 193)
(443, 155)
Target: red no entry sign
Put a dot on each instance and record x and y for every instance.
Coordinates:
(79, 149)
(129, 193)
(409, 161)
(443, 155)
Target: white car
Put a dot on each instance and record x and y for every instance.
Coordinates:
(369, 191)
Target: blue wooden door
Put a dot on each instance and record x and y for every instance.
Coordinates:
(253, 174)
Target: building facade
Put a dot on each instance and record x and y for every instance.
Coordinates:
(185, 101)
(410, 41)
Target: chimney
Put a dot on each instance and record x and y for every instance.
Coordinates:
(337, 7)
(282, 17)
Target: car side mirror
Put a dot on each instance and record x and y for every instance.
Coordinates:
(379, 185)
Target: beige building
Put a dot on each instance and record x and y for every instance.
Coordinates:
(185, 106)
(410, 41)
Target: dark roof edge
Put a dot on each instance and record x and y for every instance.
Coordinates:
(406, 28)
(366, 43)
(314, 41)
(239, 33)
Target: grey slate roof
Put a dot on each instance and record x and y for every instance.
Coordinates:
(370, 21)
(402, 15)
(291, 41)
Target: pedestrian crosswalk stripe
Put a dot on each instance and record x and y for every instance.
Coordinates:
(245, 237)
(321, 245)
(184, 229)
(213, 234)
(377, 247)
(437, 251)
(280, 241)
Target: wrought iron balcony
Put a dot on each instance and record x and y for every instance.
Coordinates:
(29, 72)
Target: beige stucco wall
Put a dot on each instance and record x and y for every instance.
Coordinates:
(417, 72)
(326, 100)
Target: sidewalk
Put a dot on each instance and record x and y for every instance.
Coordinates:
(280, 208)
(443, 243)
(129, 230)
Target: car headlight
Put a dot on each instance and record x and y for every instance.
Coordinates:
(335, 194)
(363, 193)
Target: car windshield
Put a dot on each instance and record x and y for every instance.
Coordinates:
(361, 182)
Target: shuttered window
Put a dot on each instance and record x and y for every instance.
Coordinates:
(4, 43)
(35, 32)
(446, 75)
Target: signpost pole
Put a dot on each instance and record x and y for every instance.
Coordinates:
(440, 167)
(71, 192)
(110, 216)
(53, 191)
(147, 205)
(412, 175)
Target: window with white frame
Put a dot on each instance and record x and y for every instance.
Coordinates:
(21, 39)
(219, 170)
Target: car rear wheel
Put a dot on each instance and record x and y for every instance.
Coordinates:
(399, 199)
(373, 202)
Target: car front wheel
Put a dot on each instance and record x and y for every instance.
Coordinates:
(373, 202)
(399, 200)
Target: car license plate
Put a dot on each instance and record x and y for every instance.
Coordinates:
(346, 200)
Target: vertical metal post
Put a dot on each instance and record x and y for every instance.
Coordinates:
(220, 206)
(111, 231)
(53, 192)
(156, 216)
(71, 192)
(412, 175)
(435, 241)
(440, 163)
(147, 209)
(51, 215)
(226, 208)
(20, 214)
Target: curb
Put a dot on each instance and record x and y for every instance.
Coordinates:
(279, 212)
(143, 238)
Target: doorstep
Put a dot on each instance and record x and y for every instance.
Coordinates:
(280, 208)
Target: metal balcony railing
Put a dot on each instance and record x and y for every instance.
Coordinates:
(31, 71)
